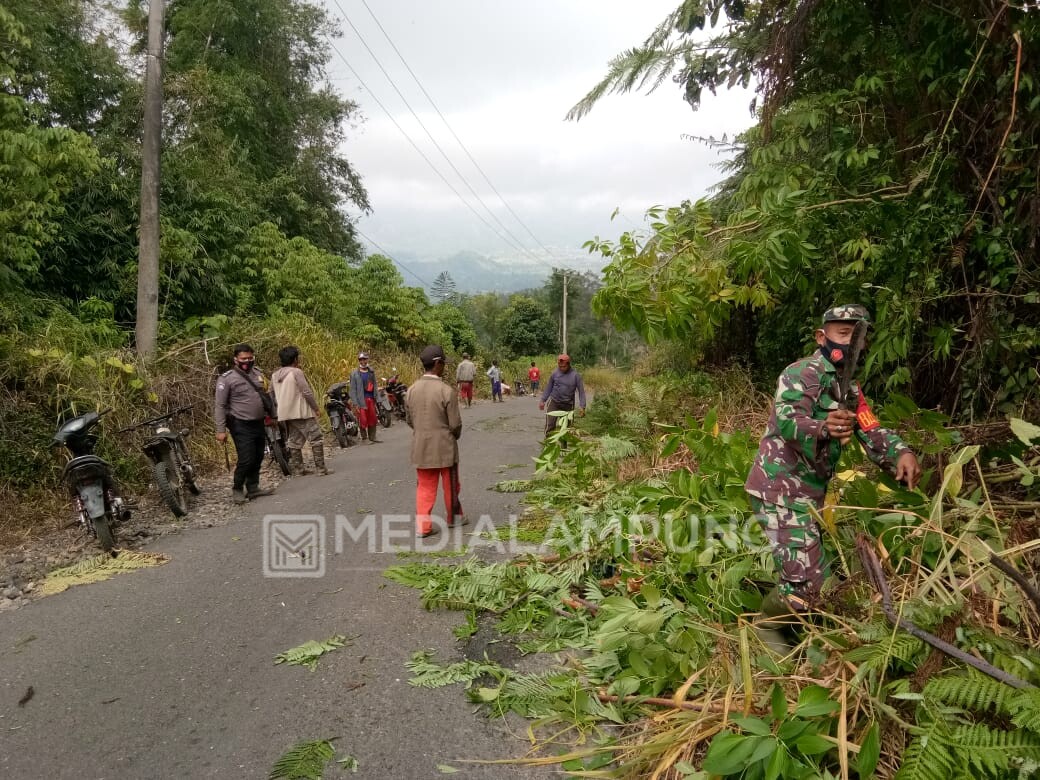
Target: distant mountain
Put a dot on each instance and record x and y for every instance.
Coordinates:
(474, 272)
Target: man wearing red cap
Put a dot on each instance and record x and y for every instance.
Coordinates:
(560, 390)
(432, 412)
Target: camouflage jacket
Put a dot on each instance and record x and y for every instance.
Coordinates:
(784, 471)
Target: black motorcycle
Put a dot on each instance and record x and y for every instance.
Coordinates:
(344, 423)
(171, 462)
(384, 407)
(275, 434)
(395, 391)
(89, 478)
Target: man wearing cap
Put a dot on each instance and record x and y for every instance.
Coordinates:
(432, 412)
(465, 374)
(799, 451)
(560, 390)
(363, 394)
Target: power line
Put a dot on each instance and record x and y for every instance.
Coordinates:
(415, 146)
(394, 259)
(433, 140)
(452, 130)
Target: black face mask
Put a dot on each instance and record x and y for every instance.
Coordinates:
(836, 353)
(245, 365)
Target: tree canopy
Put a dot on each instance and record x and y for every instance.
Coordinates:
(894, 163)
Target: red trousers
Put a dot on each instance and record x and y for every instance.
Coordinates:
(426, 496)
(466, 390)
(366, 415)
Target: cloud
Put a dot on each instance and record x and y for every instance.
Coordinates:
(504, 75)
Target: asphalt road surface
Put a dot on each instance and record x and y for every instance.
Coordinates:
(169, 671)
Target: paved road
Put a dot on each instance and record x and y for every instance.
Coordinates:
(168, 672)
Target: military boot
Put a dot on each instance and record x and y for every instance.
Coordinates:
(296, 464)
(319, 459)
(772, 629)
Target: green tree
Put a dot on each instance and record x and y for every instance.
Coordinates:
(444, 290)
(894, 163)
(38, 165)
(527, 328)
(461, 335)
(486, 312)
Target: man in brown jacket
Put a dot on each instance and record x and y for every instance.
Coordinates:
(433, 415)
(296, 406)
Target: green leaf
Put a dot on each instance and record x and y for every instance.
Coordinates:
(777, 764)
(348, 764)
(1026, 432)
(813, 700)
(778, 701)
(446, 769)
(728, 753)
(813, 745)
(304, 761)
(869, 752)
(309, 652)
(755, 726)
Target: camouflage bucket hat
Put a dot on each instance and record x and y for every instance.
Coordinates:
(849, 312)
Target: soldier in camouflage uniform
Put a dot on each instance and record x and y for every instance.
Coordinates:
(799, 451)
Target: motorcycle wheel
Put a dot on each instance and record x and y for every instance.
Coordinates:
(278, 453)
(172, 492)
(188, 470)
(384, 418)
(341, 436)
(103, 532)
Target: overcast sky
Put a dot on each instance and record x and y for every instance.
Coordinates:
(504, 75)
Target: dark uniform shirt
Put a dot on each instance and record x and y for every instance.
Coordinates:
(236, 398)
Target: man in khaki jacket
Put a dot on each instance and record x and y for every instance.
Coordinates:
(433, 415)
(296, 406)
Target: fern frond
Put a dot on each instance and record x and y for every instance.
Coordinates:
(304, 761)
(990, 751)
(309, 652)
(99, 568)
(974, 692)
(428, 674)
(513, 486)
(419, 575)
(612, 449)
(929, 757)
(634, 69)
(1024, 708)
(878, 656)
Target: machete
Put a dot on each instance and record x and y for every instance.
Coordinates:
(843, 393)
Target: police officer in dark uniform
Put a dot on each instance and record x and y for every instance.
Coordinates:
(240, 408)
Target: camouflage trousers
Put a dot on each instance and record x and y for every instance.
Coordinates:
(797, 549)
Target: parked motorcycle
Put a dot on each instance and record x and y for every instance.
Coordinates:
(171, 462)
(276, 444)
(395, 392)
(384, 407)
(89, 478)
(344, 423)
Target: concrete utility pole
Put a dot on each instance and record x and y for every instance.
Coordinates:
(147, 327)
(565, 312)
